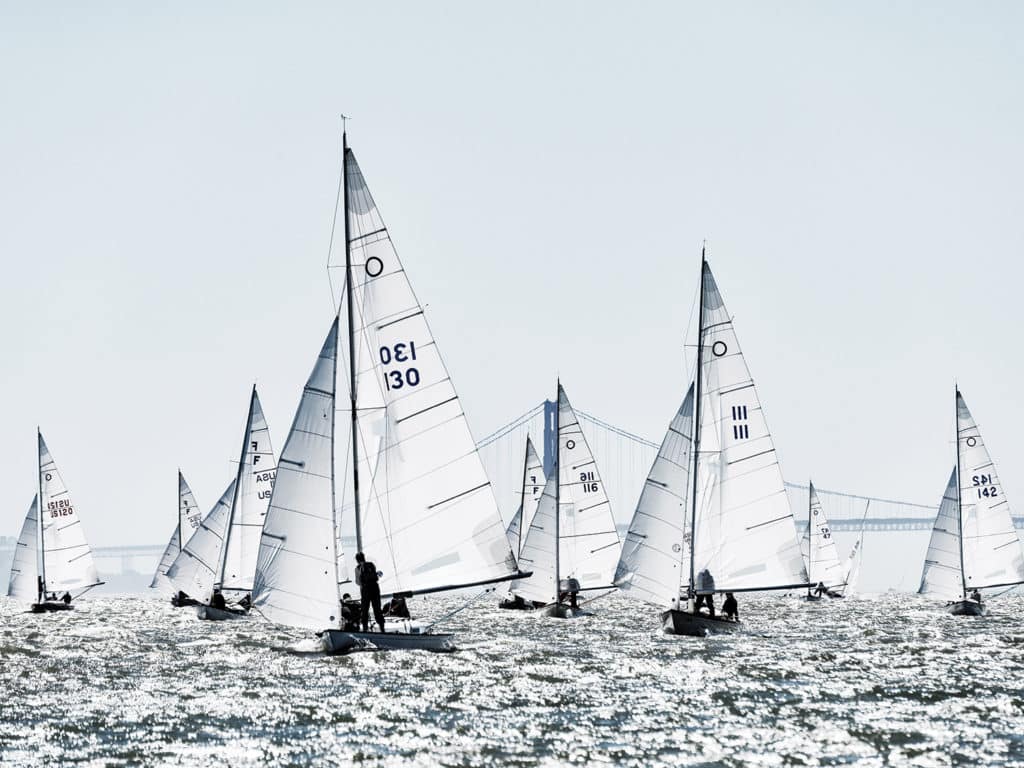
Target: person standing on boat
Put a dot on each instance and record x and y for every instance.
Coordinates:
(369, 591)
(705, 592)
(730, 608)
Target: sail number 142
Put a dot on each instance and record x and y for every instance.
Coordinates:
(985, 487)
(402, 352)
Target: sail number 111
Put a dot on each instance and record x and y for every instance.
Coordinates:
(402, 352)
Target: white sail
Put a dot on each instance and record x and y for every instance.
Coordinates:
(67, 560)
(24, 584)
(194, 570)
(188, 522)
(823, 566)
(992, 551)
(852, 571)
(941, 575)
(745, 535)
(430, 520)
(256, 475)
(587, 535)
(651, 565)
(533, 485)
(538, 554)
(296, 572)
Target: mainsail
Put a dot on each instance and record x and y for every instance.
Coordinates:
(253, 488)
(24, 584)
(823, 566)
(430, 520)
(744, 535)
(194, 570)
(67, 560)
(296, 572)
(188, 522)
(652, 561)
(992, 554)
(533, 485)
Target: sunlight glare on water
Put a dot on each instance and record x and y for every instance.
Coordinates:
(867, 681)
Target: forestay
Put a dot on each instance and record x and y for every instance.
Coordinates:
(533, 486)
(992, 552)
(194, 570)
(24, 584)
(745, 534)
(587, 536)
(296, 572)
(252, 495)
(538, 554)
(651, 567)
(67, 560)
(823, 564)
(188, 522)
(430, 520)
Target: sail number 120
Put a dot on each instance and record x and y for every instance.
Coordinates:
(401, 352)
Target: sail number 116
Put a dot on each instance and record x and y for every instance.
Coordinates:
(402, 352)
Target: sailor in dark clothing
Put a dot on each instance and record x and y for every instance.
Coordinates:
(705, 592)
(820, 589)
(730, 608)
(396, 607)
(976, 596)
(245, 602)
(66, 599)
(369, 592)
(217, 601)
(705, 600)
(350, 611)
(570, 590)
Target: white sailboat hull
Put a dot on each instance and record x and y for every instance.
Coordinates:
(967, 608)
(340, 641)
(696, 625)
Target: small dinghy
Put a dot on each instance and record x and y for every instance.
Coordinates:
(713, 516)
(823, 567)
(53, 564)
(974, 545)
(188, 522)
(571, 544)
(533, 484)
(424, 507)
(209, 613)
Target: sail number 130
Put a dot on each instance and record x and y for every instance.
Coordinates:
(402, 352)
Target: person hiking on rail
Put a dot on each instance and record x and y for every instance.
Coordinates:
(369, 591)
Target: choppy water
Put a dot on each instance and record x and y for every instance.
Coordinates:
(883, 681)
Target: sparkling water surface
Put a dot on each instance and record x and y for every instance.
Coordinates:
(886, 680)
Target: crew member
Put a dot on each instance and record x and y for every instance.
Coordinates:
(217, 601)
(369, 592)
(730, 607)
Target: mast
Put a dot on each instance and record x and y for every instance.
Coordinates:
(959, 503)
(334, 505)
(41, 585)
(219, 582)
(351, 345)
(810, 537)
(558, 484)
(522, 499)
(691, 591)
(181, 541)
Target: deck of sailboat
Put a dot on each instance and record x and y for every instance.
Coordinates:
(336, 641)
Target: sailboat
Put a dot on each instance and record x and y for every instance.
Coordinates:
(533, 483)
(823, 567)
(422, 507)
(188, 521)
(231, 543)
(974, 545)
(53, 564)
(571, 544)
(714, 515)
(194, 570)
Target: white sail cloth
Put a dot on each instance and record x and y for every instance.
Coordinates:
(651, 567)
(992, 551)
(745, 535)
(533, 486)
(538, 554)
(296, 573)
(941, 575)
(24, 583)
(823, 566)
(67, 560)
(255, 483)
(189, 518)
(194, 570)
(430, 520)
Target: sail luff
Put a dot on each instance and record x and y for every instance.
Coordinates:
(350, 309)
(41, 586)
(697, 422)
(959, 496)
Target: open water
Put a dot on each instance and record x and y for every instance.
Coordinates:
(889, 680)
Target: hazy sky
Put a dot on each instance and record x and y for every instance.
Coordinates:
(548, 172)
